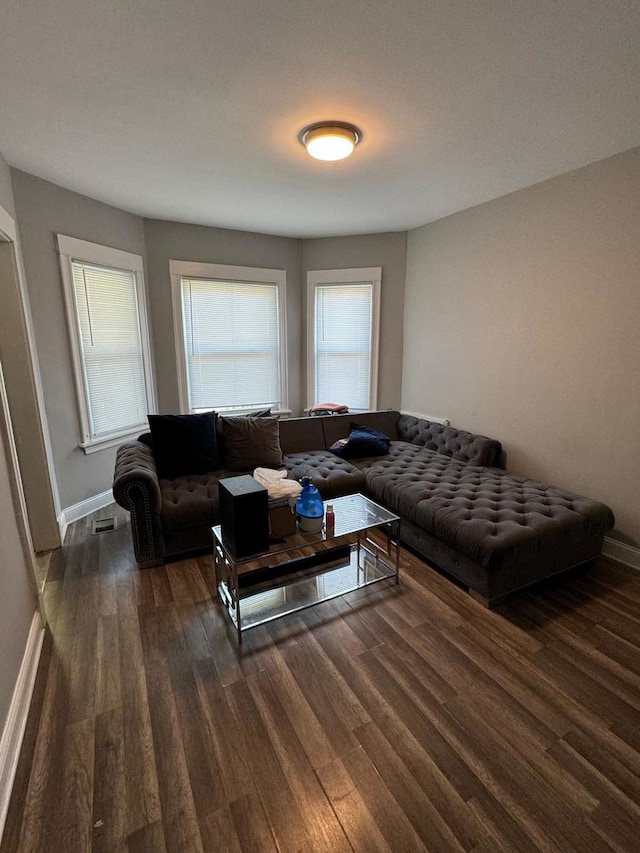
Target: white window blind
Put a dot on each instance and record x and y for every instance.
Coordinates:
(232, 344)
(343, 343)
(336, 581)
(106, 302)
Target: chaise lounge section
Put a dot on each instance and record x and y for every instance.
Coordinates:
(493, 531)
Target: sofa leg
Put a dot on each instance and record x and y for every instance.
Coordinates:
(489, 603)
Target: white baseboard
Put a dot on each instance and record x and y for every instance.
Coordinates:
(14, 727)
(621, 552)
(79, 510)
(432, 418)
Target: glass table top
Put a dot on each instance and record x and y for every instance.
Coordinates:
(353, 513)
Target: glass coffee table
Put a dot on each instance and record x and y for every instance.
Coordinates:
(303, 569)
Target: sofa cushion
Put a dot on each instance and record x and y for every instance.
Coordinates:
(251, 442)
(184, 444)
(332, 476)
(494, 518)
(190, 501)
(300, 434)
(398, 450)
(259, 413)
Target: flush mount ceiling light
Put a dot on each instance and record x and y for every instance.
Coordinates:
(330, 140)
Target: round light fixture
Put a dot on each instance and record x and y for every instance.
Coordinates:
(330, 140)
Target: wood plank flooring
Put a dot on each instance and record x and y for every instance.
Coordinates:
(398, 718)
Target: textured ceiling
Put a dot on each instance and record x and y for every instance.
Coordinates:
(191, 110)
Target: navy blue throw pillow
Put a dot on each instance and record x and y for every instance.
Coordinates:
(362, 442)
(371, 431)
(184, 444)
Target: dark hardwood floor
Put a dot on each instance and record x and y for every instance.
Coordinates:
(397, 719)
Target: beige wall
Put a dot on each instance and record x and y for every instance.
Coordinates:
(44, 210)
(6, 192)
(176, 241)
(522, 321)
(371, 250)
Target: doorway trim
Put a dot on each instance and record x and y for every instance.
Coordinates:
(9, 232)
(17, 493)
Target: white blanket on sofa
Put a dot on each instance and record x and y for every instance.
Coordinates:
(277, 484)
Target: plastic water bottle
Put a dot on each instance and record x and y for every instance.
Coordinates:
(309, 508)
(330, 521)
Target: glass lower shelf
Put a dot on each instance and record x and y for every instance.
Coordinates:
(297, 592)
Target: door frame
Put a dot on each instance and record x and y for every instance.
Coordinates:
(17, 494)
(9, 233)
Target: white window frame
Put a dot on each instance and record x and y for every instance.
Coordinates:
(234, 275)
(315, 278)
(72, 249)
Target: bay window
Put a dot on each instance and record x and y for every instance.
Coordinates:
(229, 326)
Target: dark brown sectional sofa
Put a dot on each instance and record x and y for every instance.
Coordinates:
(493, 531)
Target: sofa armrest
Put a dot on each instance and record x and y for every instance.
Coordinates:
(456, 443)
(136, 488)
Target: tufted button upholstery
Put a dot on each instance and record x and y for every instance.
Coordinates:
(137, 489)
(491, 517)
(191, 500)
(135, 463)
(331, 475)
(456, 443)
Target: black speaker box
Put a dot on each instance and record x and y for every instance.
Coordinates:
(244, 515)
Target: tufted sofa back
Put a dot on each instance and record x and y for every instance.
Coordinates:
(455, 443)
(301, 434)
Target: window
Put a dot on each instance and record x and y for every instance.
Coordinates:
(104, 294)
(230, 337)
(342, 336)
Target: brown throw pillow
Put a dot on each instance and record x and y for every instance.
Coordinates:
(251, 443)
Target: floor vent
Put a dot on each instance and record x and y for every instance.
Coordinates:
(103, 525)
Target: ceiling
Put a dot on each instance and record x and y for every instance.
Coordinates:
(191, 110)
